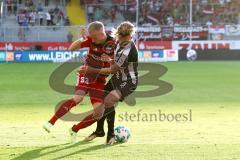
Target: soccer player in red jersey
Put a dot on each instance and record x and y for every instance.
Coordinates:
(124, 79)
(100, 45)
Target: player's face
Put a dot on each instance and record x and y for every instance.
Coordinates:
(98, 37)
(123, 38)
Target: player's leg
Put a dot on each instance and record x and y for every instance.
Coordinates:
(95, 93)
(109, 114)
(99, 132)
(67, 105)
(112, 98)
(110, 122)
(109, 102)
(90, 119)
(87, 121)
(64, 107)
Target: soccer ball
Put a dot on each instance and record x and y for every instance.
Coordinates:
(191, 55)
(122, 134)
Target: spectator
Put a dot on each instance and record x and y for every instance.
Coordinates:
(32, 16)
(25, 22)
(67, 22)
(49, 19)
(113, 14)
(21, 17)
(15, 7)
(169, 20)
(209, 23)
(90, 11)
(58, 15)
(98, 14)
(41, 17)
(9, 6)
(39, 7)
(70, 37)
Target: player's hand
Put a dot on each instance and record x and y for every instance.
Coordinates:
(105, 58)
(82, 70)
(83, 32)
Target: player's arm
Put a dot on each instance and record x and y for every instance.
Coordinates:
(76, 45)
(117, 64)
(111, 70)
(80, 43)
(104, 71)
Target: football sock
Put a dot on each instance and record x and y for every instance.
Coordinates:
(62, 110)
(100, 124)
(89, 120)
(111, 120)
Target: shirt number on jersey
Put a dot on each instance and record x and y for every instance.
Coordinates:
(83, 80)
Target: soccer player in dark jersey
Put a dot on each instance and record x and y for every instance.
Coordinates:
(99, 44)
(124, 78)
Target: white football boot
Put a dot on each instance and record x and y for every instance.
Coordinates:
(47, 127)
(73, 136)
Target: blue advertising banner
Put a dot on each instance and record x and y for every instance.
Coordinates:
(2, 56)
(157, 54)
(152, 56)
(48, 56)
(77, 56)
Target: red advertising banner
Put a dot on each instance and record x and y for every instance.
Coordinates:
(23, 46)
(204, 45)
(61, 46)
(183, 33)
(154, 45)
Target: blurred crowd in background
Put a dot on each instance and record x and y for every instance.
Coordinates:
(29, 12)
(166, 12)
(166, 15)
(151, 12)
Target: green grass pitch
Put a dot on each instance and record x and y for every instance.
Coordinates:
(210, 89)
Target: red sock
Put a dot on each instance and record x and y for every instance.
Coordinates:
(62, 110)
(87, 121)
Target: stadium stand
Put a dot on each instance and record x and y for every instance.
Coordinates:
(166, 12)
(32, 17)
(28, 20)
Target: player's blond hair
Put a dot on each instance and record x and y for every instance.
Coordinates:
(96, 25)
(125, 29)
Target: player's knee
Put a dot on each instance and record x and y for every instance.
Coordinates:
(108, 102)
(98, 110)
(77, 99)
(98, 115)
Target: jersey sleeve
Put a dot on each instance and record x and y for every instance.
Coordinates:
(86, 43)
(122, 61)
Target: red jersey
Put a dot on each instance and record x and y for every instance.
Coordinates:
(96, 50)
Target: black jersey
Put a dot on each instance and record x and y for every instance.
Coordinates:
(127, 59)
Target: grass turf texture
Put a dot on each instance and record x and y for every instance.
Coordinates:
(210, 89)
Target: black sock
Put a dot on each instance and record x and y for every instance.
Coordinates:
(111, 120)
(100, 124)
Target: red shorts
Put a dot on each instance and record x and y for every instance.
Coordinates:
(94, 88)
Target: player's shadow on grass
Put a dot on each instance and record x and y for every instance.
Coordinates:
(36, 153)
(89, 149)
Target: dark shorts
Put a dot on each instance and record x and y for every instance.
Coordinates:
(125, 87)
